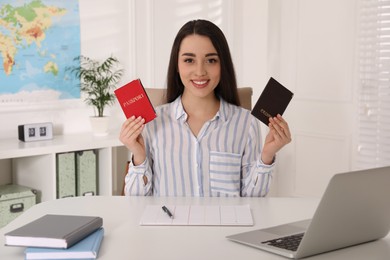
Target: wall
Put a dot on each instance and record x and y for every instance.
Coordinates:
(312, 51)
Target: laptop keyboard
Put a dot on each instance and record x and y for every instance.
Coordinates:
(290, 242)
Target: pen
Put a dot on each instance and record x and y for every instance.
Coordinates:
(166, 210)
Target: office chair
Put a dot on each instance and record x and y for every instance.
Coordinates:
(156, 96)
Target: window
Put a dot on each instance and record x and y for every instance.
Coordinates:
(374, 84)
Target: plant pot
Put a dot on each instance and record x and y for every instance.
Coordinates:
(100, 125)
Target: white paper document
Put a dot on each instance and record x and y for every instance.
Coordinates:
(197, 215)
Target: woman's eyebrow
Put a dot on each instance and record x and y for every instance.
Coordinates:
(211, 54)
(188, 54)
(193, 55)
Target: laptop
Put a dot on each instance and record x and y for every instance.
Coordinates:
(354, 209)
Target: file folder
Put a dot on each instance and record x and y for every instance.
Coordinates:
(86, 173)
(66, 177)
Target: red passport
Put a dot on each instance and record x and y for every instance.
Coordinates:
(134, 101)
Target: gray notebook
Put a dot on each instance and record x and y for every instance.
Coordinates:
(53, 231)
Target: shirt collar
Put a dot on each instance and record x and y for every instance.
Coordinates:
(178, 109)
(224, 110)
(179, 113)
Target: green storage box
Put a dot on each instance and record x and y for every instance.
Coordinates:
(86, 173)
(66, 175)
(14, 200)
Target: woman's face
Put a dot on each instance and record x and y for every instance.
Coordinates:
(199, 66)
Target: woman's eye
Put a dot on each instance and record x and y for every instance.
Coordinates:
(188, 60)
(212, 61)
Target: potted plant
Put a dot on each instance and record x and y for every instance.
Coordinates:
(97, 82)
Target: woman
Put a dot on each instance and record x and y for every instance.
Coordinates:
(201, 143)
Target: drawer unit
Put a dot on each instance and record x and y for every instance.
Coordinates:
(14, 200)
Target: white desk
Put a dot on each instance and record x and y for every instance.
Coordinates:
(126, 239)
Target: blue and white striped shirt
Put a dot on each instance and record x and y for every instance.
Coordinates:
(223, 160)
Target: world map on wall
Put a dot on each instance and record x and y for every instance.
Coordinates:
(38, 40)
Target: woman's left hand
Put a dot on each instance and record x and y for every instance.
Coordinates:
(278, 136)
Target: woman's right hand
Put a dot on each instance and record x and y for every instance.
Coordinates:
(131, 137)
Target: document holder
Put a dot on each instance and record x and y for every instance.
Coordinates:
(86, 173)
(66, 177)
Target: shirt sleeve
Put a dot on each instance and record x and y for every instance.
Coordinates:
(134, 180)
(256, 176)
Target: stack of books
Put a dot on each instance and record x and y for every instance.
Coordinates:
(59, 237)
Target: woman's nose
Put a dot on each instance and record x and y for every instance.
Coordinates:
(200, 69)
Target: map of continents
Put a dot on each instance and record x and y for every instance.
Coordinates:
(38, 40)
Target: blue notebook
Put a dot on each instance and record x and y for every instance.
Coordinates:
(88, 248)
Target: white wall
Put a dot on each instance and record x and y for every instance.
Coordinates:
(312, 51)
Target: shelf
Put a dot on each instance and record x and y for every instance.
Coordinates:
(12, 148)
(33, 164)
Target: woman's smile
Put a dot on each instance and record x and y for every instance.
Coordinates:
(200, 83)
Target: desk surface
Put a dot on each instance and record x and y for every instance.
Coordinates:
(126, 239)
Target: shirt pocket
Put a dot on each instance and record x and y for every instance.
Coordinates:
(225, 172)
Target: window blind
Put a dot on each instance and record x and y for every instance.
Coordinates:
(374, 84)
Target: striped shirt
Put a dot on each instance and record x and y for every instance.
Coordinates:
(223, 160)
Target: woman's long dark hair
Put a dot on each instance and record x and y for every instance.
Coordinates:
(227, 87)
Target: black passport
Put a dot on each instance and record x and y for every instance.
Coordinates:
(273, 100)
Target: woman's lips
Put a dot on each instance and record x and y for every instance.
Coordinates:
(200, 83)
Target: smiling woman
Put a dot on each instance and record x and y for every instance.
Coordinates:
(191, 148)
(199, 72)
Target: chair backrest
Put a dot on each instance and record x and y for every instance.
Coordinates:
(245, 96)
(156, 96)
